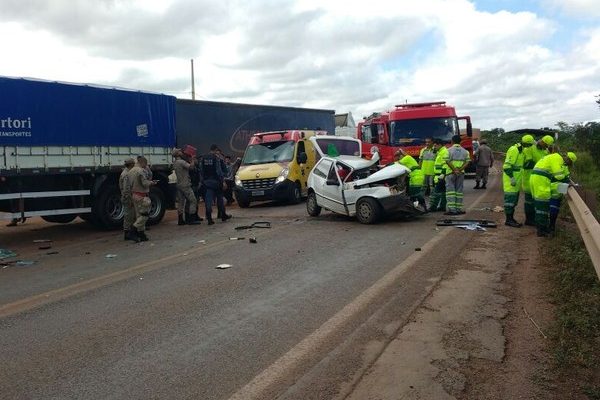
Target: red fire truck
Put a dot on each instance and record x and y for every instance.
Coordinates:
(408, 125)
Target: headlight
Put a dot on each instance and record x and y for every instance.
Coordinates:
(282, 175)
(238, 181)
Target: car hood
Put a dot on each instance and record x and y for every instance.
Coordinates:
(390, 172)
(260, 171)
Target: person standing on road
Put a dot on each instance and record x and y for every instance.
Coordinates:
(437, 201)
(416, 177)
(512, 179)
(229, 180)
(532, 154)
(427, 164)
(457, 160)
(140, 190)
(551, 169)
(213, 178)
(186, 200)
(127, 201)
(484, 159)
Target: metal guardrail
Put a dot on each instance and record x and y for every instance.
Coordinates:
(588, 226)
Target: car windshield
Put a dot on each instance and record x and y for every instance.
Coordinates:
(334, 148)
(415, 131)
(269, 152)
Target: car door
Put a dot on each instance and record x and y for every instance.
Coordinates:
(327, 186)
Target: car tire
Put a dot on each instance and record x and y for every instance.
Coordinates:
(60, 219)
(242, 201)
(295, 193)
(368, 210)
(312, 207)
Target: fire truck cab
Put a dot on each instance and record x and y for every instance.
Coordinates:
(408, 125)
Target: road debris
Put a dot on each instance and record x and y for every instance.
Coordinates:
(498, 209)
(51, 253)
(237, 238)
(252, 240)
(223, 266)
(45, 247)
(25, 263)
(417, 249)
(7, 254)
(258, 224)
(42, 241)
(471, 227)
(534, 323)
(484, 223)
(202, 241)
(110, 256)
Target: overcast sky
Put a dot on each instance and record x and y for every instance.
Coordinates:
(507, 63)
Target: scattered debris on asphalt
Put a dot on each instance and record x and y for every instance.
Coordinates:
(45, 247)
(51, 253)
(42, 241)
(111, 256)
(498, 209)
(471, 227)
(484, 223)
(417, 249)
(24, 263)
(237, 238)
(202, 241)
(7, 254)
(252, 240)
(223, 266)
(259, 224)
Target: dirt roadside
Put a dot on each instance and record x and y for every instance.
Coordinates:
(473, 337)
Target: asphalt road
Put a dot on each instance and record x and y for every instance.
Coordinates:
(298, 314)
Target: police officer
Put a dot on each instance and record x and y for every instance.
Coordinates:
(416, 178)
(549, 169)
(457, 159)
(140, 191)
(127, 201)
(213, 178)
(185, 194)
(437, 201)
(427, 164)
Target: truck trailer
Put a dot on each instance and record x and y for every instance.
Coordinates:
(62, 145)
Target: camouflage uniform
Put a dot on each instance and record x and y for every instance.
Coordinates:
(184, 188)
(140, 188)
(126, 200)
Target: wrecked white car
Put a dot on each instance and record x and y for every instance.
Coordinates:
(345, 183)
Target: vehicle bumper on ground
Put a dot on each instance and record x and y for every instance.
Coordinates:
(279, 191)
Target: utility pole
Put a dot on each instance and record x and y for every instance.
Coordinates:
(193, 84)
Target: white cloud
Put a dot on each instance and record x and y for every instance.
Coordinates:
(354, 55)
(576, 8)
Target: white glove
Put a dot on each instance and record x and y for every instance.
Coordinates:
(513, 181)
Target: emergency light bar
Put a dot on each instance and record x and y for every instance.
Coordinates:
(417, 105)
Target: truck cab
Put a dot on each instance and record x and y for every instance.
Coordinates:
(275, 166)
(408, 125)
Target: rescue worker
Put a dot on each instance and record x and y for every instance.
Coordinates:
(213, 178)
(549, 169)
(556, 196)
(186, 200)
(457, 159)
(127, 202)
(416, 177)
(427, 164)
(512, 179)
(437, 201)
(140, 190)
(532, 155)
(484, 159)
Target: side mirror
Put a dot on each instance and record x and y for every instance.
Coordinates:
(332, 182)
(302, 158)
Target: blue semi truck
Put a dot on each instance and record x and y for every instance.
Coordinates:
(62, 145)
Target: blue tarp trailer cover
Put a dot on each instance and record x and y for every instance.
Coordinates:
(43, 113)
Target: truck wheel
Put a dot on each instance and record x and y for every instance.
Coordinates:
(243, 201)
(368, 210)
(295, 194)
(158, 207)
(312, 207)
(59, 219)
(108, 210)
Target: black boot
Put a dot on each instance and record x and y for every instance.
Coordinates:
(210, 221)
(143, 237)
(529, 222)
(191, 219)
(133, 235)
(125, 235)
(542, 232)
(510, 221)
(553, 219)
(476, 185)
(225, 217)
(483, 186)
(180, 220)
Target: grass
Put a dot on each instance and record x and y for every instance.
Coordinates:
(576, 294)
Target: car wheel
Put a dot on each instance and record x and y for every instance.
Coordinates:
(243, 201)
(312, 207)
(368, 210)
(295, 194)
